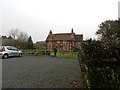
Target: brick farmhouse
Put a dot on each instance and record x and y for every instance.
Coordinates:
(65, 42)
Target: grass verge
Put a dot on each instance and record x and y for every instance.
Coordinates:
(68, 55)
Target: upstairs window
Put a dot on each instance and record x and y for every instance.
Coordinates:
(58, 42)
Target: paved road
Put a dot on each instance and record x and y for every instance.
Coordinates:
(40, 72)
(0, 73)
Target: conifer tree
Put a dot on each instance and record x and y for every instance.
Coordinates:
(29, 43)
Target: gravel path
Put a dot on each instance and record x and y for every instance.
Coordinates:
(40, 72)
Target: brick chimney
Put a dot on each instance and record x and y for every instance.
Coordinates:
(50, 35)
(72, 34)
(72, 31)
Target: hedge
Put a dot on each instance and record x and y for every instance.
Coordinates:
(100, 64)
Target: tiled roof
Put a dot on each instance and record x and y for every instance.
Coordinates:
(62, 36)
(79, 37)
(66, 36)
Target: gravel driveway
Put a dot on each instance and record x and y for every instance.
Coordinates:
(40, 72)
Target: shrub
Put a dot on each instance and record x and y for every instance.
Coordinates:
(40, 52)
(102, 61)
(48, 52)
(76, 49)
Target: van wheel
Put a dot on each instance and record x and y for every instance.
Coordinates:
(5, 56)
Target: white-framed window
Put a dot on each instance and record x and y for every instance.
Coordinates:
(58, 42)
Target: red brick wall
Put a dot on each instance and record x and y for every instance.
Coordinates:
(51, 44)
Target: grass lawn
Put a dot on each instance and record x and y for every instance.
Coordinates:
(69, 55)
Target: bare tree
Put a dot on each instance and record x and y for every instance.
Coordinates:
(14, 33)
(18, 35)
(19, 38)
(22, 36)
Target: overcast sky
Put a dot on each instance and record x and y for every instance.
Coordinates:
(37, 17)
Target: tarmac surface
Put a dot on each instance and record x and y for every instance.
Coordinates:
(40, 72)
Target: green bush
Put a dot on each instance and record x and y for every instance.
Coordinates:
(48, 52)
(102, 62)
(76, 49)
(41, 52)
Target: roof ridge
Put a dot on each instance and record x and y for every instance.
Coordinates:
(61, 33)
